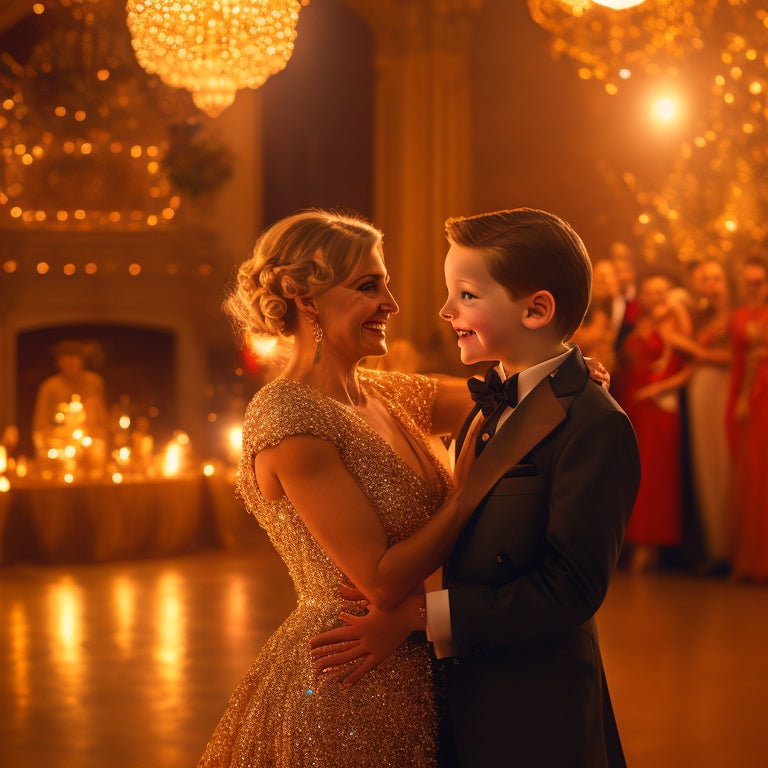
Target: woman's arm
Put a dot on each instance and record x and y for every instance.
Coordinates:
(673, 382)
(685, 344)
(309, 471)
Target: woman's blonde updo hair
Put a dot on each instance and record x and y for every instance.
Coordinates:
(301, 255)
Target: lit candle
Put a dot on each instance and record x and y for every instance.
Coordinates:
(172, 461)
(235, 444)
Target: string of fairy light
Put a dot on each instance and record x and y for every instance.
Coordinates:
(714, 201)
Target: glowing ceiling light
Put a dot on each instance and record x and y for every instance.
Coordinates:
(619, 5)
(665, 109)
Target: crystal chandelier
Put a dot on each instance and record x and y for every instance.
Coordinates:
(213, 48)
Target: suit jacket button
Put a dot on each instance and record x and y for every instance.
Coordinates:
(502, 558)
(485, 437)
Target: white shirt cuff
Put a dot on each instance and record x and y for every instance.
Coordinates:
(439, 622)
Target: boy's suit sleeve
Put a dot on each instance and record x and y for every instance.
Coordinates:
(592, 491)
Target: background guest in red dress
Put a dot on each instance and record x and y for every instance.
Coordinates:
(649, 376)
(748, 424)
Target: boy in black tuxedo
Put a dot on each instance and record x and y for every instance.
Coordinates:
(554, 461)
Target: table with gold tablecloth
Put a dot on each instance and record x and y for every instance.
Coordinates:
(99, 521)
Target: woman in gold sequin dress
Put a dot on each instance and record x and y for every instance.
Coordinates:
(337, 468)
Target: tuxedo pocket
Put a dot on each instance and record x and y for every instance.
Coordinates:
(520, 485)
(521, 470)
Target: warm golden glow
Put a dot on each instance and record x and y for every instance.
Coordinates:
(619, 5)
(213, 48)
(170, 624)
(124, 607)
(19, 632)
(665, 109)
(236, 609)
(235, 443)
(172, 460)
(66, 618)
(262, 345)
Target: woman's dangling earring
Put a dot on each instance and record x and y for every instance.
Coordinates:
(317, 335)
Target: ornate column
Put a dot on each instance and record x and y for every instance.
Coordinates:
(422, 152)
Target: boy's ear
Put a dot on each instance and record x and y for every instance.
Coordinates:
(539, 310)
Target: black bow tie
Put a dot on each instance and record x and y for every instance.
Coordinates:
(492, 392)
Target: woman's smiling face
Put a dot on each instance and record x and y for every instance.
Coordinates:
(354, 313)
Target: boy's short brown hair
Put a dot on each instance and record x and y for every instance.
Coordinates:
(528, 250)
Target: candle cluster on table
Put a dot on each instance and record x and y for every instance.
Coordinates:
(68, 453)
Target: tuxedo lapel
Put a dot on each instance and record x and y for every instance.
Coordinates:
(536, 416)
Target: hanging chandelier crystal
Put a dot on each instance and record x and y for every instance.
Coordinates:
(213, 48)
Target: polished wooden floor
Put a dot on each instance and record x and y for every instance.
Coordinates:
(130, 664)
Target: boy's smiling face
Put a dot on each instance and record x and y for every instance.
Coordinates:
(487, 320)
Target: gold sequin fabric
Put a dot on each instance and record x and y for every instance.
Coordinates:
(283, 714)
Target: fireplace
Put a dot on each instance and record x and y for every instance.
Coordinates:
(137, 364)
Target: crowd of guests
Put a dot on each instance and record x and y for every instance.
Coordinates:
(688, 354)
